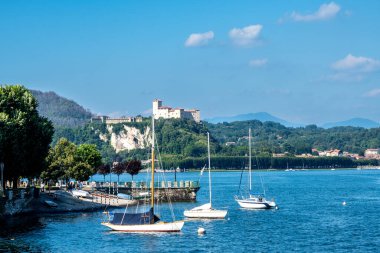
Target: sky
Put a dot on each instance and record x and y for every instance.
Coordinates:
(303, 61)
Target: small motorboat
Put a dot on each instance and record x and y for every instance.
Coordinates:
(80, 194)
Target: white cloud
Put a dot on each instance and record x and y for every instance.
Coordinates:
(258, 63)
(245, 36)
(353, 68)
(373, 93)
(358, 64)
(199, 39)
(325, 11)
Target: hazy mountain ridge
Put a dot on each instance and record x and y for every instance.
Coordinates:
(354, 122)
(266, 117)
(261, 116)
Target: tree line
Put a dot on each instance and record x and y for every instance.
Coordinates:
(266, 162)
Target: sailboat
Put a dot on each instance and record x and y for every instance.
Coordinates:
(206, 211)
(145, 222)
(252, 201)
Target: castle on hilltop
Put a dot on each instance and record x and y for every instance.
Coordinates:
(167, 112)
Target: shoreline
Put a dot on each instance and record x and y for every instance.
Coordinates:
(285, 170)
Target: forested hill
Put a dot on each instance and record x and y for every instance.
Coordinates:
(187, 138)
(61, 111)
(271, 137)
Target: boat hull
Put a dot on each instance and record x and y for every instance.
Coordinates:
(205, 214)
(148, 228)
(249, 204)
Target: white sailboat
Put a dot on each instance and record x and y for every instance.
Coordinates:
(206, 211)
(252, 201)
(145, 222)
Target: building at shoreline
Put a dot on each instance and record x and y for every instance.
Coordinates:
(166, 112)
(372, 153)
(109, 121)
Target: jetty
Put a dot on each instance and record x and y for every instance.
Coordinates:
(163, 190)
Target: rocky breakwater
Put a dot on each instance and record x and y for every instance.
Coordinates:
(54, 202)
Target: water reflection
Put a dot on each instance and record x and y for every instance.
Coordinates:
(13, 226)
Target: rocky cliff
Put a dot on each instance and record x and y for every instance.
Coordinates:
(128, 138)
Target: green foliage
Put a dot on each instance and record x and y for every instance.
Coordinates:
(81, 171)
(88, 154)
(184, 137)
(61, 111)
(60, 160)
(182, 141)
(117, 128)
(277, 138)
(66, 160)
(24, 135)
(261, 162)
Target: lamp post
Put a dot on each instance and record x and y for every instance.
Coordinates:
(2, 176)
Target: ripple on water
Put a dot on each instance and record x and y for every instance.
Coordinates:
(311, 218)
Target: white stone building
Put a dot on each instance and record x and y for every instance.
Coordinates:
(167, 112)
(110, 121)
(372, 153)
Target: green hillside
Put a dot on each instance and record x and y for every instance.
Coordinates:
(184, 142)
(61, 111)
(270, 137)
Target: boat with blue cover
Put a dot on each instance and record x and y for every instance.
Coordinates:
(146, 221)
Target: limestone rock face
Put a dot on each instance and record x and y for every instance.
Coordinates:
(129, 138)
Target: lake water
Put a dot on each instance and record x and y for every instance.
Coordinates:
(311, 218)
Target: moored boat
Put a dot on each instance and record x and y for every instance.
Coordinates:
(147, 221)
(252, 201)
(206, 211)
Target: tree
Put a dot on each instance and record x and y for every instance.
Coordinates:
(118, 169)
(66, 161)
(133, 167)
(24, 135)
(81, 171)
(104, 169)
(196, 150)
(60, 160)
(87, 153)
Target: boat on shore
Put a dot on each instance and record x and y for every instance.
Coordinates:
(81, 193)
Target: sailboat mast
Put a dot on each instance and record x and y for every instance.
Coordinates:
(152, 186)
(250, 160)
(209, 164)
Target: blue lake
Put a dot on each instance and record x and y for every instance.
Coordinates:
(311, 218)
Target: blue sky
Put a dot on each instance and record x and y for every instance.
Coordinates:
(304, 61)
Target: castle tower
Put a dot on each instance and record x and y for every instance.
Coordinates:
(156, 104)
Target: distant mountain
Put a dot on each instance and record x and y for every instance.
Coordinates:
(355, 122)
(261, 116)
(61, 111)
